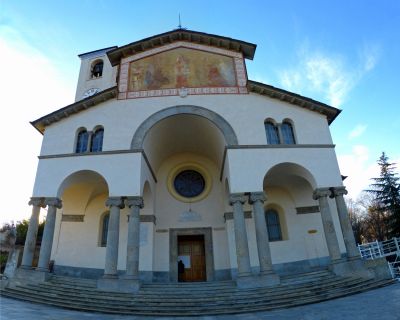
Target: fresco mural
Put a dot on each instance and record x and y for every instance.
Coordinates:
(182, 67)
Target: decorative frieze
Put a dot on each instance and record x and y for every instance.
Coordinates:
(72, 217)
(308, 209)
(148, 218)
(126, 91)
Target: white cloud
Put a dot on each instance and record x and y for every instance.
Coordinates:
(326, 74)
(359, 169)
(31, 87)
(357, 131)
(369, 56)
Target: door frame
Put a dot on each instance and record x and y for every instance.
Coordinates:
(173, 250)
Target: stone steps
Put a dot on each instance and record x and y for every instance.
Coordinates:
(168, 295)
(179, 299)
(185, 302)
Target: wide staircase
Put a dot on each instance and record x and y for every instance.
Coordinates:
(186, 299)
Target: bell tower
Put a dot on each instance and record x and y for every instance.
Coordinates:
(96, 73)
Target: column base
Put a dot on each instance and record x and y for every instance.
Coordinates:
(258, 281)
(118, 285)
(353, 267)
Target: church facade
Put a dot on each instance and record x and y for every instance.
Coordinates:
(171, 165)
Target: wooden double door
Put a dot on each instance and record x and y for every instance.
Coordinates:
(191, 259)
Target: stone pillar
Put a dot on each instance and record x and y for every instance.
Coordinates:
(242, 249)
(348, 236)
(321, 195)
(264, 252)
(48, 233)
(132, 255)
(30, 241)
(111, 264)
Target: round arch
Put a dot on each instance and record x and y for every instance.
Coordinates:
(290, 168)
(88, 177)
(225, 128)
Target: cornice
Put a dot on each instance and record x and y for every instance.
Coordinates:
(41, 123)
(246, 48)
(264, 89)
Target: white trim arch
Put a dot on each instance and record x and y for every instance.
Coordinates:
(223, 125)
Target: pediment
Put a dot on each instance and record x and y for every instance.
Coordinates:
(182, 68)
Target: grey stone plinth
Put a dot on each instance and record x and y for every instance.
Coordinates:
(379, 267)
(354, 267)
(4, 283)
(23, 276)
(258, 281)
(118, 285)
(12, 262)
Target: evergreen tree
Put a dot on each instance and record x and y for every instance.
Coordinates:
(386, 190)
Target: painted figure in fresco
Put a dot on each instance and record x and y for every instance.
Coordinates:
(154, 77)
(227, 72)
(182, 72)
(136, 78)
(220, 75)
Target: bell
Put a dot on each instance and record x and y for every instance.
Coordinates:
(97, 70)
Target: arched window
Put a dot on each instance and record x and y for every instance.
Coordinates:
(104, 229)
(97, 69)
(97, 140)
(271, 130)
(273, 225)
(82, 141)
(287, 133)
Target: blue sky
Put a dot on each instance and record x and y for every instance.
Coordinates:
(343, 53)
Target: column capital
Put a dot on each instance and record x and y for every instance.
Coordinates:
(134, 202)
(237, 197)
(257, 196)
(321, 192)
(115, 202)
(37, 201)
(56, 202)
(338, 191)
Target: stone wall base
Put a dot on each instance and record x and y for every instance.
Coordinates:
(23, 276)
(379, 267)
(354, 267)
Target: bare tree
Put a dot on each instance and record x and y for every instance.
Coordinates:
(356, 219)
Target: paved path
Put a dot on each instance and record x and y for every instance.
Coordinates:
(378, 304)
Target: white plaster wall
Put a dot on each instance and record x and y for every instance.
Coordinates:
(168, 211)
(245, 113)
(249, 166)
(121, 172)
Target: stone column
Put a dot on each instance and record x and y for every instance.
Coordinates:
(321, 195)
(111, 264)
(48, 233)
(347, 230)
(264, 253)
(132, 255)
(30, 241)
(242, 250)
